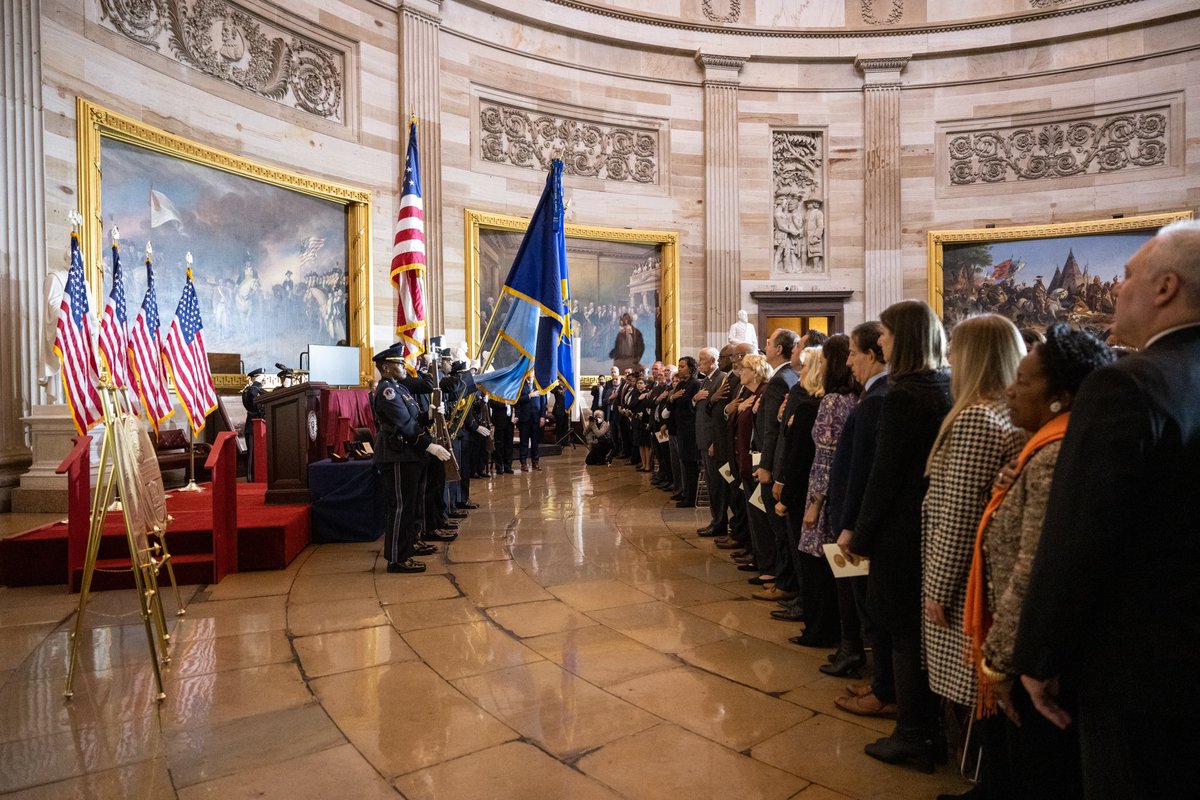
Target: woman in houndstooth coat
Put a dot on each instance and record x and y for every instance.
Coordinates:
(977, 438)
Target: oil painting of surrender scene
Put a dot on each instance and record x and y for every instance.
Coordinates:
(1039, 274)
(617, 290)
(280, 259)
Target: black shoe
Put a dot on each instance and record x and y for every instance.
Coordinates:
(757, 580)
(751, 567)
(438, 536)
(677, 496)
(904, 746)
(468, 506)
(686, 504)
(804, 640)
(424, 549)
(407, 565)
(705, 531)
(788, 614)
(844, 664)
(976, 792)
(458, 515)
(448, 525)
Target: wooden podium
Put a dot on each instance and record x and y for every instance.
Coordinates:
(294, 438)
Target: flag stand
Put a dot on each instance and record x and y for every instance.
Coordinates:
(116, 471)
(192, 486)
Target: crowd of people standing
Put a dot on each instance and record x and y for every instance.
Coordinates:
(1026, 501)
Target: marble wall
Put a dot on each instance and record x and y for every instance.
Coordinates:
(565, 61)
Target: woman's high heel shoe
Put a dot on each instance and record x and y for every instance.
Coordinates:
(904, 746)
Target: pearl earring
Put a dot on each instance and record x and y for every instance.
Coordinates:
(1056, 407)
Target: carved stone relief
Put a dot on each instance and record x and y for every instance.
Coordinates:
(532, 139)
(798, 201)
(228, 42)
(893, 15)
(732, 14)
(1101, 144)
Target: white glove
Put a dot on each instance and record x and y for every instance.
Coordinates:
(441, 409)
(484, 432)
(437, 451)
(666, 413)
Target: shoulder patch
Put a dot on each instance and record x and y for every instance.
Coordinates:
(389, 393)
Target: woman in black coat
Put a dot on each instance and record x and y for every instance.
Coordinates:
(888, 529)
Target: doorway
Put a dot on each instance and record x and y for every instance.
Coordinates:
(801, 311)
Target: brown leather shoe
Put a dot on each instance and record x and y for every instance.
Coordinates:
(867, 705)
(857, 689)
(773, 592)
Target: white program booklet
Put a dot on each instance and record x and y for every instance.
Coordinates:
(726, 472)
(845, 567)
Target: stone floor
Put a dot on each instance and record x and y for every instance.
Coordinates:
(577, 641)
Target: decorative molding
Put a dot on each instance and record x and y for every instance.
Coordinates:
(798, 202)
(734, 13)
(1063, 148)
(1045, 3)
(708, 60)
(868, 12)
(239, 47)
(531, 138)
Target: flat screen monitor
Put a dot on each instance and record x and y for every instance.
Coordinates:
(336, 366)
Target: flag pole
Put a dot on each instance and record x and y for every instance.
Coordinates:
(192, 486)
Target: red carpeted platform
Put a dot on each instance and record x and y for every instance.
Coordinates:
(268, 537)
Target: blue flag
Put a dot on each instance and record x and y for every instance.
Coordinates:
(538, 323)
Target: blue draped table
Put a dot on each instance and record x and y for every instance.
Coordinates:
(347, 501)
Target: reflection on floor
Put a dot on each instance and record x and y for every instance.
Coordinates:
(577, 641)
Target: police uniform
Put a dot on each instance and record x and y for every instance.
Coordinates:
(400, 457)
(250, 397)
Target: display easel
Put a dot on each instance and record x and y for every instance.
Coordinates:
(117, 471)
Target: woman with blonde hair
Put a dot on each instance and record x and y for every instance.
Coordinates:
(754, 373)
(975, 440)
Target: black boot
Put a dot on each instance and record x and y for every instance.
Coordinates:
(904, 746)
(845, 664)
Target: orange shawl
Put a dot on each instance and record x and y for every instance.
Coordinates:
(977, 619)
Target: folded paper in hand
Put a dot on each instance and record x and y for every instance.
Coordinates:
(845, 567)
(726, 472)
(662, 438)
(756, 499)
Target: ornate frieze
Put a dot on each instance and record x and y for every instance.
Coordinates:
(892, 16)
(532, 138)
(798, 198)
(733, 11)
(228, 42)
(1059, 149)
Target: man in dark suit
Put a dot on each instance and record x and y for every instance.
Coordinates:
(531, 413)
(769, 531)
(1113, 606)
(723, 401)
(714, 379)
(684, 413)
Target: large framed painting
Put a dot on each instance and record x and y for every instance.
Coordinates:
(1037, 275)
(280, 260)
(624, 289)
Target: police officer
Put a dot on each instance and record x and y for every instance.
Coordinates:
(402, 450)
(250, 397)
(531, 414)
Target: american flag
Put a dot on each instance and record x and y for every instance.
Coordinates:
(408, 256)
(309, 248)
(73, 344)
(145, 350)
(187, 359)
(114, 327)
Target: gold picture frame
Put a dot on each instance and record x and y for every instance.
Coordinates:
(95, 124)
(666, 243)
(1035, 253)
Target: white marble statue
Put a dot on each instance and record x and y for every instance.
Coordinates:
(53, 286)
(743, 330)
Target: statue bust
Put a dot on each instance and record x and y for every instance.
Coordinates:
(53, 286)
(743, 330)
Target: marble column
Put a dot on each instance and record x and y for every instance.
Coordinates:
(883, 279)
(723, 269)
(23, 244)
(420, 89)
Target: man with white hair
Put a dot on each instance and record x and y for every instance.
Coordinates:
(713, 378)
(1113, 605)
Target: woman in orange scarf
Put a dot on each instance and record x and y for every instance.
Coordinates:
(1030, 758)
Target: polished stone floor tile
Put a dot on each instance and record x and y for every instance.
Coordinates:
(466, 551)
(714, 707)
(336, 558)
(683, 592)
(668, 763)
(564, 714)
(431, 613)
(662, 627)
(819, 696)
(404, 717)
(457, 651)
(36, 708)
(828, 751)
(535, 619)
(205, 620)
(765, 666)
(513, 771)
(222, 696)
(198, 755)
(56, 757)
(337, 586)
(20, 642)
(202, 656)
(100, 649)
(498, 583)
(343, 651)
(595, 595)
(401, 588)
(753, 617)
(318, 776)
(144, 780)
(241, 585)
(600, 655)
(335, 615)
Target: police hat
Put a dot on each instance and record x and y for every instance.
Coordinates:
(254, 372)
(393, 353)
(458, 366)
